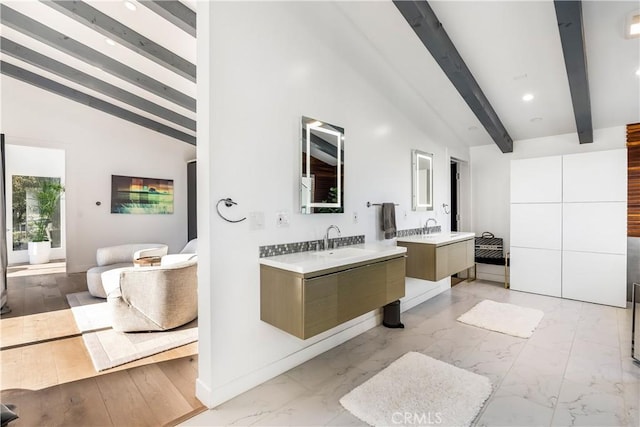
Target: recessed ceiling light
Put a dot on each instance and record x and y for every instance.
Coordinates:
(527, 97)
(638, 72)
(110, 42)
(536, 119)
(132, 7)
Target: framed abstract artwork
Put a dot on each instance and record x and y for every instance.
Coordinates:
(135, 195)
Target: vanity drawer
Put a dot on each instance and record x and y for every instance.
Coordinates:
(305, 307)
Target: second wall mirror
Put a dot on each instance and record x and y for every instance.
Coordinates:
(322, 171)
(422, 177)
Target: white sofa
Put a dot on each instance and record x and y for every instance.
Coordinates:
(187, 253)
(117, 257)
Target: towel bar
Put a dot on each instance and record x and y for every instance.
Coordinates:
(369, 204)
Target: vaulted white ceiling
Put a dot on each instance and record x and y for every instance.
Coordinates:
(57, 50)
(510, 47)
(513, 48)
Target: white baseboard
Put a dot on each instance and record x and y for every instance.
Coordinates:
(71, 268)
(203, 392)
(218, 395)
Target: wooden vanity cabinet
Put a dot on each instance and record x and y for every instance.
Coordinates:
(432, 262)
(305, 305)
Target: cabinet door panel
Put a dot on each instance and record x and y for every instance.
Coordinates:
(598, 278)
(536, 270)
(395, 279)
(320, 304)
(281, 300)
(361, 290)
(457, 257)
(442, 263)
(595, 227)
(420, 261)
(537, 225)
(536, 180)
(600, 176)
(471, 253)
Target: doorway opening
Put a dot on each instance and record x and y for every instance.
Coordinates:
(454, 217)
(27, 169)
(458, 203)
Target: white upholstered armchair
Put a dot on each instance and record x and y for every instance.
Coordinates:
(154, 298)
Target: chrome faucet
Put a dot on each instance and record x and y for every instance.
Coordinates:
(426, 225)
(326, 235)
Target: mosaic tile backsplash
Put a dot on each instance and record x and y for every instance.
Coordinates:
(311, 245)
(421, 230)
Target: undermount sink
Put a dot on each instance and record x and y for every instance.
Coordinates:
(340, 253)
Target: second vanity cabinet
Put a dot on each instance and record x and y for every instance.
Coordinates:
(438, 258)
(306, 304)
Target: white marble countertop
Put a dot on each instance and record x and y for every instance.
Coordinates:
(311, 261)
(438, 239)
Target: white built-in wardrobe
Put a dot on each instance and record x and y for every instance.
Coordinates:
(568, 226)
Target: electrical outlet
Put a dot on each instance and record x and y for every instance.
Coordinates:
(256, 220)
(282, 219)
(355, 217)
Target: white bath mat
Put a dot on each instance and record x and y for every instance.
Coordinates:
(419, 390)
(502, 317)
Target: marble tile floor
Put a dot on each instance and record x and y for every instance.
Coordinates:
(575, 369)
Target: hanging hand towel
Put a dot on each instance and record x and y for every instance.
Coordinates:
(389, 220)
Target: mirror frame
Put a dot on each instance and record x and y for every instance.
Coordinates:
(416, 186)
(309, 124)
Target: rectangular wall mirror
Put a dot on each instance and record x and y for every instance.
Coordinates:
(422, 177)
(322, 171)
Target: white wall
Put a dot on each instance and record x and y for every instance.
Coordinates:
(98, 145)
(490, 178)
(267, 65)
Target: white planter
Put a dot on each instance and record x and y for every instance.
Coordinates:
(39, 252)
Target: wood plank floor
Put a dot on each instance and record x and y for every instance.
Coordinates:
(47, 372)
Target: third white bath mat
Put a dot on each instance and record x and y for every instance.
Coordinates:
(509, 319)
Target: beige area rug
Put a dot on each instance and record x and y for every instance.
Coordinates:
(90, 313)
(502, 317)
(419, 390)
(109, 348)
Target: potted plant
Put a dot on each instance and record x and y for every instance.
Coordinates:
(46, 198)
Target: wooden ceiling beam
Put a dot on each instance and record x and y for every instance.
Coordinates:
(569, 16)
(109, 27)
(91, 101)
(175, 12)
(429, 30)
(50, 37)
(32, 57)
